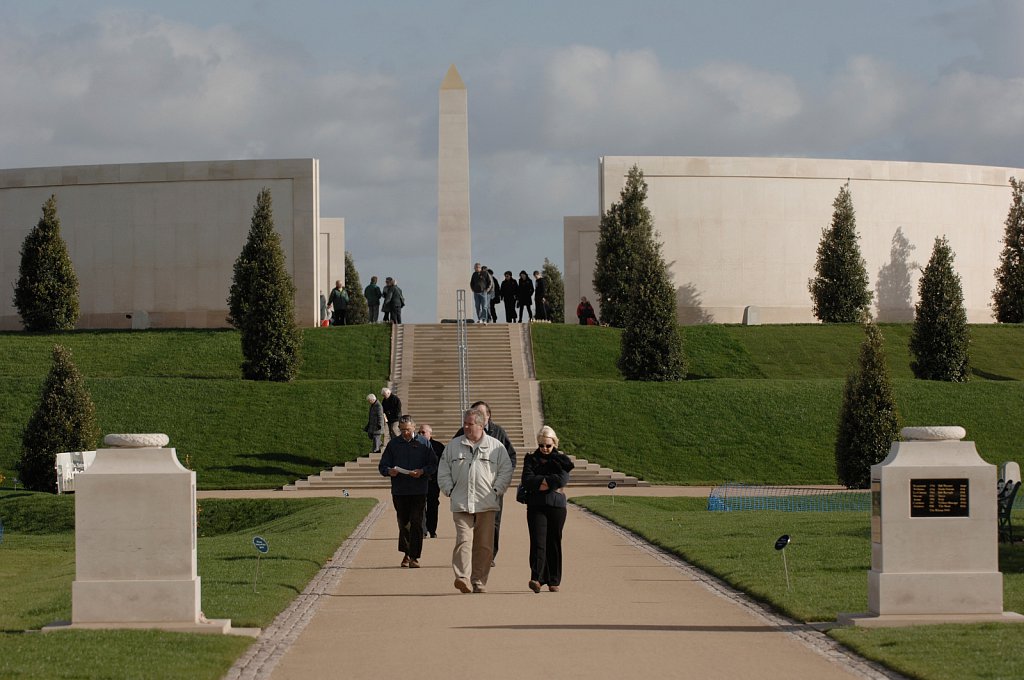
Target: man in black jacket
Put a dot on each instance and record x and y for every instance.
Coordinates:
(426, 433)
(540, 291)
(498, 432)
(392, 410)
(409, 464)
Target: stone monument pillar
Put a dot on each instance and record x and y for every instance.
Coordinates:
(454, 255)
(934, 543)
(135, 540)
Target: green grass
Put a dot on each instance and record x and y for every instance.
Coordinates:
(762, 403)
(37, 567)
(828, 562)
(235, 433)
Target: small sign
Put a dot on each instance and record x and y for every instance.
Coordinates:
(939, 498)
(782, 541)
(612, 484)
(261, 544)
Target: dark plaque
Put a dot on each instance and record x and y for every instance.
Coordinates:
(876, 511)
(939, 498)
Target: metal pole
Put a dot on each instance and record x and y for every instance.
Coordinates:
(463, 346)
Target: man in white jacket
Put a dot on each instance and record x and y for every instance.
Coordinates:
(474, 472)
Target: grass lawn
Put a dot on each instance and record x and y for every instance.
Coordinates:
(762, 402)
(37, 566)
(235, 433)
(828, 562)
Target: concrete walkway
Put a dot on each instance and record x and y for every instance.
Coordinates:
(625, 608)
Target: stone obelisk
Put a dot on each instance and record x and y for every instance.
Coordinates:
(454, 255)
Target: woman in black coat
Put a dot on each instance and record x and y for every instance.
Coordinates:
(508, 290)
(524, 293)
(545, 474)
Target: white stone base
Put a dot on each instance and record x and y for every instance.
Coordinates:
(869, 620)
(210, 626)
(126, 601)
(941, 594)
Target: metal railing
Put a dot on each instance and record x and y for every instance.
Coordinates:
(463, 345)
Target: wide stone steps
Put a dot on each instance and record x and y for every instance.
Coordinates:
(363, 474)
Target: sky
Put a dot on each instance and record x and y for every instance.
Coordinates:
(552, 87)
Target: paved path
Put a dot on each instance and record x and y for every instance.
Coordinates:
(625, 609)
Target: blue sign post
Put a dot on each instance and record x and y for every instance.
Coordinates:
(262, 548)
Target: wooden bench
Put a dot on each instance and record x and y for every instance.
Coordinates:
(1006, 493)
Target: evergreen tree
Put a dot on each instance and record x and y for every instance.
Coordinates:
(357, 311)
(261, 303)
(1008, 297)
(625, 228)
(46, 294)
(939, 338)
(840, 292)
(868, 421)
(556, 291)
(64, 420)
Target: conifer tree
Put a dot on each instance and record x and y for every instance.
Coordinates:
(840, 292)
(625, 225)
(868, 420)
(939, 338)
(64, 420)
(1008, 297)
(46, 294)
(261, 303)
(555, 291)
(357, 312)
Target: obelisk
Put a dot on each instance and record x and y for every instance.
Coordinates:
(454, 255)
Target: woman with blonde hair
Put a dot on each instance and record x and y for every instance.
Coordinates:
(545, 474)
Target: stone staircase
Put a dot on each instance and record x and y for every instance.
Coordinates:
(425, 376)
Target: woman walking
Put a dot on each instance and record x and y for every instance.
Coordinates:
(524, 294)
(545, 474)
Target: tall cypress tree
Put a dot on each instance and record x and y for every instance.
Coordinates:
(939, 338)
(64, 420)
(555, 291)
(1008, 297)
(868, 420)
(46, 294)
(357, 311)
(625, 225)
(840, 292)
(261, 303)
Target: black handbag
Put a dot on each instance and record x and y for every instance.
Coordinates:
(521, 494)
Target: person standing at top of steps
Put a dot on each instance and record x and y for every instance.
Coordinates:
(492, 429)
(480, 283)
(392, 410)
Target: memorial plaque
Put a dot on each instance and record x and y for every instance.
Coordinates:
(939, 498)
(876, 511)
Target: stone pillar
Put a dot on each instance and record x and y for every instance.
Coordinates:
(454, 254)
(135, 540)
(934, 543)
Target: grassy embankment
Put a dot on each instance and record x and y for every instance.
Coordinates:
(187, 384)
(828, 562)
(761, 403)
(38, 565)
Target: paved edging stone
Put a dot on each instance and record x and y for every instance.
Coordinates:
(262, 657)
(811, 638)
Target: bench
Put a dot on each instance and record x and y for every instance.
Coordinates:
(1005, 496)
(69, 464)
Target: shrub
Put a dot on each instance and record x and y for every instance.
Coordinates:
(64, 420)
(840, 291)
(624, 229)
(357, 312)
(46, 294)
(261, 303)
(1008, 297)
(939, 338)
(556, 291)
(868, 421)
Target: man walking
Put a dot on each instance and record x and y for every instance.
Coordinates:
(392, 410)
(474, 472)
(372, 293)
(480, 282)
(338, 299)
(408, 462)
(426, 433)
(375, 423)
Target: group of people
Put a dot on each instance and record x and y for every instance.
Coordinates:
(473, 470)
(389, 300)
(521, 294)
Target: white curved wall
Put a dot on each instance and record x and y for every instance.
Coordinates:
(745, 231)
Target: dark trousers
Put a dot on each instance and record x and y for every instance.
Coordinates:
(497, 524)
(539, 304)
(510, 311)
(374, 311)
(529, 311)
(433, 503)
(545, 524)
(338, 317)
(410, 524)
